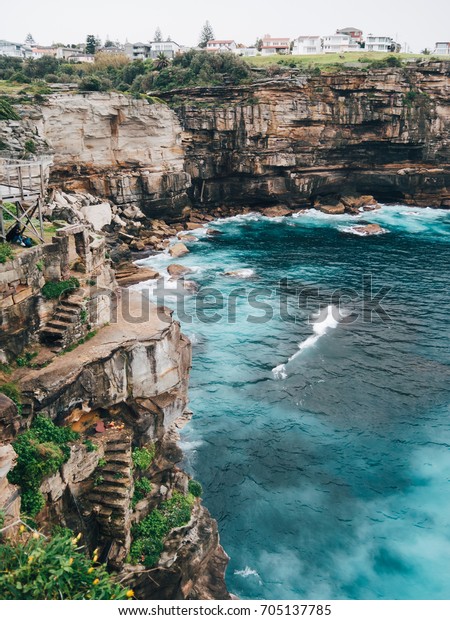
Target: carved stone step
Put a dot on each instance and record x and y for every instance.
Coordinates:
(112, 448)
(111, 480)
(116, 503)
(106, 490)
(65, 317)
(61, 325)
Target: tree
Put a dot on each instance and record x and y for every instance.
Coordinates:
(91, 44)
(161, 62)
(426, 52)
(207, 34)
(157, 37)
(29, 39)
(259, 44)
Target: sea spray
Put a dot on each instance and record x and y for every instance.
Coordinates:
(325, 320)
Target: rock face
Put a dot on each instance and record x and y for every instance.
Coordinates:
(291, 140)
(123, 149)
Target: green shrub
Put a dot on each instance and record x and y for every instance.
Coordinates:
(54, 290)
(6, 252)
(26, 360)
(30, 146)
(142, 488)
(53, 569)
(12, 391)
(143, 457)
(40, 452)
(7, 112)
(195, 488)
(150, 533)
(102, 463)
(90, 446)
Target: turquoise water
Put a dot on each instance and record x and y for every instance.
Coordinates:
(329, 478)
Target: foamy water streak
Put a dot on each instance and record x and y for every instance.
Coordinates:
(325, 321)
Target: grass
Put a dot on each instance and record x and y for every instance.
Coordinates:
(324, 60)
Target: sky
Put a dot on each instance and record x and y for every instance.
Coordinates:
(417, 23)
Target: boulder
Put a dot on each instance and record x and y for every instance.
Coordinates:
(368, 230)
(338, 209)
(187, 238)
(98, 216)
(212, 232)
(192, 226)
(176, 271)
(277, 211)
(131, 274)
(177, 250)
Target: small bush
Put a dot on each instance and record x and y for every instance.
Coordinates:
(54, 290)
(40, 452)
(7, 112)
(6, 252)
(26, 360)
(90, 446)
(12, 391)
(53, 569)
(195, 488)
(142, 488)
(143, 457)
(150, 533)
(30, 146)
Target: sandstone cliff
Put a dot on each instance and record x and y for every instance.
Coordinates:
(293, 139)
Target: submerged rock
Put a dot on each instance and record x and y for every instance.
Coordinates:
(367, 230)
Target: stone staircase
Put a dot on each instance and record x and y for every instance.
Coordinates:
(66, 325)
(111, 499)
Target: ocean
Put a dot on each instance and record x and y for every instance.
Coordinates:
(320, 390)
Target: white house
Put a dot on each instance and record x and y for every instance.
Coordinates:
(39, 52)
(381, 44)
(138, 51)
(337, 44)
(442, 48)
(307, 45)
(246, 51)
(275, 45)
(170, 49)
(354, 33)
(15, 50)
(217, 45)
(82, 58)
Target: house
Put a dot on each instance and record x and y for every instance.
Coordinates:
(337, 44)
(15, 50)
(216, 45)
(246, 51)
(442, 48)
(307, 45)
(381, 44)
(138, 51)
(39, 51)
(271, 45)
(64, 53)
(170, 49)
(354, 33)
(81, 58)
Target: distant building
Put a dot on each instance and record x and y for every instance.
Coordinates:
(381, 44)
(64, 53)
(216, 45)
(81, 58)
(354, 33)
(271, 45)
(442, 48)
(15, 50)
(138, 51)
(338, 44)
(39, 51)
(307, 45)
(246, 51)
(170, 49)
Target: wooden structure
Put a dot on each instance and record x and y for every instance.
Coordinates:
(22, 188)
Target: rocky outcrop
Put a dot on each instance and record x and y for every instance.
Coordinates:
(124, 149)
(381, 132)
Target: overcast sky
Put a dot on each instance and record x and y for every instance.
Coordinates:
(418, 23)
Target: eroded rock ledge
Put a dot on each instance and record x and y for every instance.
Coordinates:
(135, 374)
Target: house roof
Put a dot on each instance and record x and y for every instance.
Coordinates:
(224, 42)
(350, 29)
(309, 36)
(276, 39)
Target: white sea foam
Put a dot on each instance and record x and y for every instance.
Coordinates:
(248, 572)
(324, 321)
(240, 273)
(361, 232)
